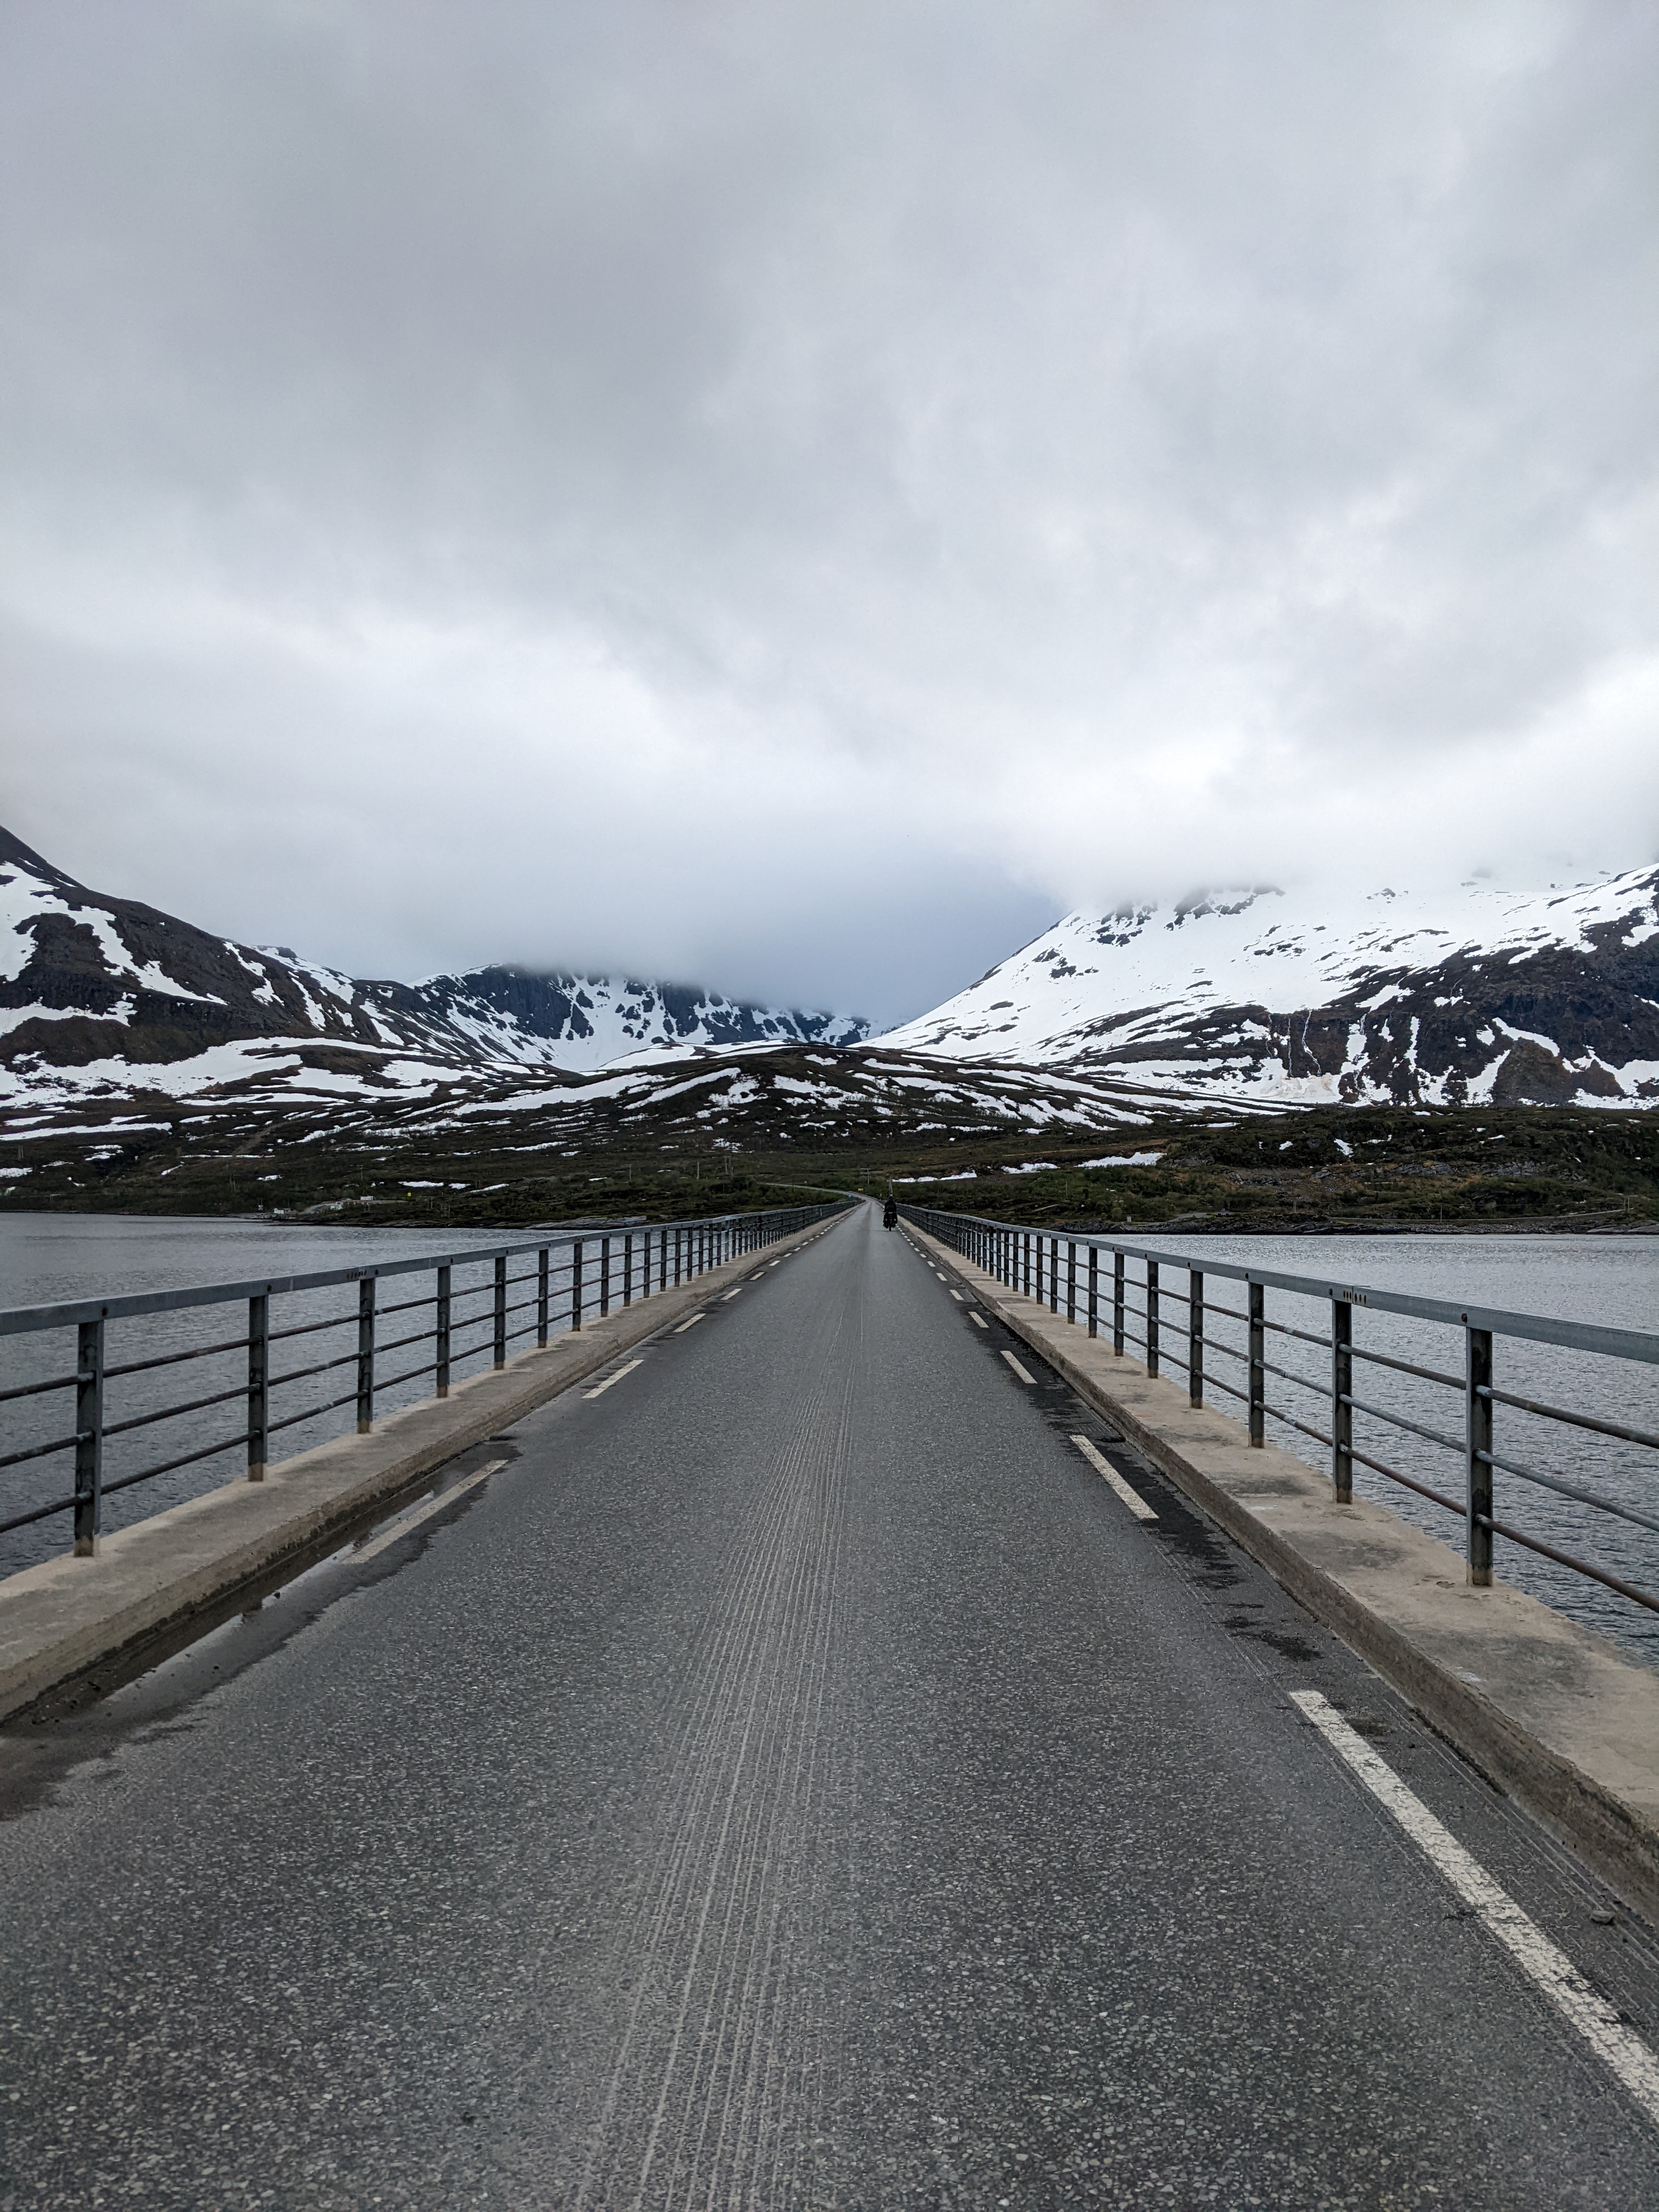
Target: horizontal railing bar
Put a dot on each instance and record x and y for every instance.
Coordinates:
(312, 1327)
(18, 1320)
(41, 1451)
(169, 1466)
(1214, 1344)
(1405, 1367)
(1579, 1420)
(1566, 1559)
(175, 1358)
(1232, 1313)
(1571, 1489)
(412, 1374)
(1302, 1335)
(322, 1367)
(1215, 1382)
(1319, 1389)
(34, 1390)
(1580, 1336)
(1399, 1421)
(311, 1413)
(398, 1343)
(36, 1513)
(1382, 1466)
(1291, 1422)
(173, 1413)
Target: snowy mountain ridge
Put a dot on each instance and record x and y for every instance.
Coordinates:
(101, 995)
(1468, 996)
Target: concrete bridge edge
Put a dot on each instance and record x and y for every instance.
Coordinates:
(1550, 1714)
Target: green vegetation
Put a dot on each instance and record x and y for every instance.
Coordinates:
(1379, 1169)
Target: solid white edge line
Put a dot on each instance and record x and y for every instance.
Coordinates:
(684, 1325)
(979, 1320)
(1133, 1498)
(1019, 1370)
(408, 1521)
(600, 1390)
(1547, 1967)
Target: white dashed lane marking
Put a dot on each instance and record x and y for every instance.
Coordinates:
(1019, 1370)
(601, 1388)
(957, 1295)
(978, 1319)
(684, 1325)
(1543, 1964)
(1103, 1468)
(402, 1528)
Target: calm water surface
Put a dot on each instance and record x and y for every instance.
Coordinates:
(47, 1258)
(1611, 1280)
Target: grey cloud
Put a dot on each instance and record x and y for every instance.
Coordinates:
(884, 473)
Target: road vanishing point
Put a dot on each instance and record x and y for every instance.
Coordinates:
(814, 1763)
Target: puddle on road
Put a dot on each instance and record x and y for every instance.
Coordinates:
(148, 1696)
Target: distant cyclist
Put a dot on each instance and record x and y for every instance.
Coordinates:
(890, 1214)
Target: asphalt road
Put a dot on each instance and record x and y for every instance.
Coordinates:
(792, 1777)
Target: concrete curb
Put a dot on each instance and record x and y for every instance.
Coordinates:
(176, 1574)
(1555, 1715)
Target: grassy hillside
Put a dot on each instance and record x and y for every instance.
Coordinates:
(1378, 1169)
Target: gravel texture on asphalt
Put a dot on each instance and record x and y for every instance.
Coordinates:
(793, 1778)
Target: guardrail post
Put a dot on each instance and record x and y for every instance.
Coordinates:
(576, 1285)
(442, 1347)
(1478, 1395)
(500, 1354)
(1117, 1304)
(1194, 1337)
(258, 1386)
(605, 1277)
(541, 1296)
(1258, 1355)
(365, 1355)
(1094, 1289)
(88, 1438)
(1152, 1316)
(1342, 1400)
(1070, 1279)
(1054, 1274)
(1025, 1240)
(628, 1269)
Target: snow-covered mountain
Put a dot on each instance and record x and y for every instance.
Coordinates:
(100, 996)
(1471, 996)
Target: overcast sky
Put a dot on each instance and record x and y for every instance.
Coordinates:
(797, 496)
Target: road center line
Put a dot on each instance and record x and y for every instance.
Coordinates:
(684, 1325)
(600, 1390)
(402, 1526)
(978, 1319)
(1102, 1466)
(1019, 1370)
(1540, 1960)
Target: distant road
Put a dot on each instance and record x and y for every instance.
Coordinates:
(795, 1776)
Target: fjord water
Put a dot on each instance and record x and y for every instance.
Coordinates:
(1611, 1280)
(48, 1259)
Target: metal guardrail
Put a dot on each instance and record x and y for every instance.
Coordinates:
(1043, 1265)
(573, 1275)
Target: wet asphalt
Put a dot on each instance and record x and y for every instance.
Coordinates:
(791, 1778)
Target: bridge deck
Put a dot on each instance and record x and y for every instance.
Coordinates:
(794, 1778)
